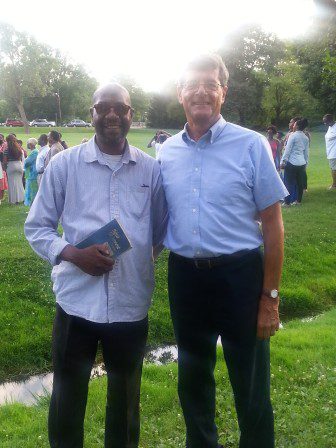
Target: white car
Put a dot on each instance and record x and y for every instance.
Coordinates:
(42, 122)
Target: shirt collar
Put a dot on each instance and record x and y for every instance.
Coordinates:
(92, 153)
(211, 135)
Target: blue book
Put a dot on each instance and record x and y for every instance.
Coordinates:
(112, 234)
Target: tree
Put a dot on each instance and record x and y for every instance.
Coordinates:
(250, 55)
(140, 99)
(39, 81)
(316, 54)
(23, 68)
(286, 96)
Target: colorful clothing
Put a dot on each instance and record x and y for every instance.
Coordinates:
(31, 178)
(3, 175)
(275, 147)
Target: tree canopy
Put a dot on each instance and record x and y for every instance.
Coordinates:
(270, 80)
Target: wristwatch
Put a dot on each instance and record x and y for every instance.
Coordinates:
(271, 293)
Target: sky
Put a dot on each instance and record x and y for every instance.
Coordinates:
(148, 40)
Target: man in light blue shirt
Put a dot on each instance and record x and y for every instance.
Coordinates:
(220, 184)
(99, 300)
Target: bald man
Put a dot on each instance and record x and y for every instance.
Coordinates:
(99, 300)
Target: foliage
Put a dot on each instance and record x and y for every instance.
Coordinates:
(251, 56)
(316, 54)
(286, 96)
(31, 74)
(140, 99)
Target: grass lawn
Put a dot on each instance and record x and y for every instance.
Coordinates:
(27, 302)
(303, 394)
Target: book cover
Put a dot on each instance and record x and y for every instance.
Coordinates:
(112, 234)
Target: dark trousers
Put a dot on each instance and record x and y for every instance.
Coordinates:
(221, 301)
(75, 342)
(295, 181)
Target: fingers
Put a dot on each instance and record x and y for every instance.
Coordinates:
(103, 249)
(265, 331)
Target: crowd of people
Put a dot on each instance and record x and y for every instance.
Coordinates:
(290, 155)
(21, 169)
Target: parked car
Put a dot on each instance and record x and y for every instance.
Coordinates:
(42, 122)
(11, 122)
(78, 124)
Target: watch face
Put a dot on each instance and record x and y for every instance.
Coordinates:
(274, 293)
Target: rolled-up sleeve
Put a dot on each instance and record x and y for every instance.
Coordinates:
(43, 218)
(268, 187)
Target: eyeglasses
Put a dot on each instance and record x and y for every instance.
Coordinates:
(120, 109)
(209, 86)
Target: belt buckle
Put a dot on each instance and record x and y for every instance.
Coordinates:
(202, 263)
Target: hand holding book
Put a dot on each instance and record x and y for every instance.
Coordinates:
(93, 260)
(96, 254)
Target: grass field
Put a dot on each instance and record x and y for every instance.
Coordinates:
(27, 302)
(303, 394)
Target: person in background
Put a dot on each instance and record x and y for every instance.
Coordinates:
(63, 142)
(40, 160)
(54, 140)
(280, 137)
(25, 154)
(157, 141)
(290, 128)
(13, 160)
(294, 161)
(275, 146)
(3, 174)
(330, 139)
(31, 172)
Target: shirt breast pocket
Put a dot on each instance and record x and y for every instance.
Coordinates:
(224, 190)
(138, 201)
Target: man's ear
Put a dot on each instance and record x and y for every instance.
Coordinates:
(91, 112)
(225, 89)
(179, 94)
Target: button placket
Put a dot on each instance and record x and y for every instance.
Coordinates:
(195, 195)
(114, 214)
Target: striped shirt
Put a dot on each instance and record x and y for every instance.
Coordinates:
(81, 191)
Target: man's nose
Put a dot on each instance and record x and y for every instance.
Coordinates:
(200, 88)
(112, 113)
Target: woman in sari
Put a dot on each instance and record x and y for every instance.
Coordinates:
(30, 172)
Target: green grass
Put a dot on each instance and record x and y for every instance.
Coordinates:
(27, 302)
(303, 393)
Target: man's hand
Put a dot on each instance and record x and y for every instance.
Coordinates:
(93, 260)
(268, 317)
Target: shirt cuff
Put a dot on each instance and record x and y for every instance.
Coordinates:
(55, 249)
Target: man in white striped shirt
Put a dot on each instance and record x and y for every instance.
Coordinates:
(99, 300)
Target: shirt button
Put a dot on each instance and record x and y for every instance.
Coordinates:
(194, 210)
(194, 190)
(194, 232)
(196, 169)
(198, 252)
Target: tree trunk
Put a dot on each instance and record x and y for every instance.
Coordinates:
(23, 117)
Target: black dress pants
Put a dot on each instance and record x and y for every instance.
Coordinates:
(75, 342)
(221, 301)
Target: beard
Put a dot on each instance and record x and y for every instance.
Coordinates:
(112, 133)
